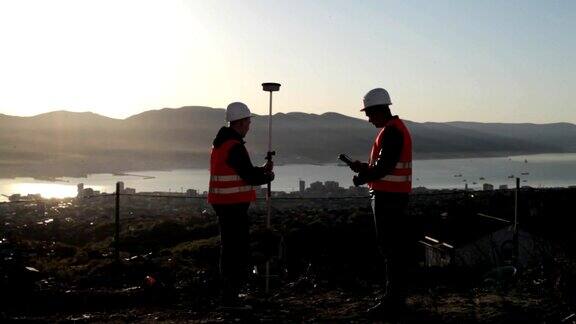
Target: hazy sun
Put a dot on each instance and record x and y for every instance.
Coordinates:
(46, 190)
(104, 56)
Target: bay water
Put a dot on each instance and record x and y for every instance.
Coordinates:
(542, 170)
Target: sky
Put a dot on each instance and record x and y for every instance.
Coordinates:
(485, 61)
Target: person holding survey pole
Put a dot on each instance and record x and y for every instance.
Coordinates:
(388, 174)
(231, 190)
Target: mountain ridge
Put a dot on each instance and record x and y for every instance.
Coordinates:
(70, 143)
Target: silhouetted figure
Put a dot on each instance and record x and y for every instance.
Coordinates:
(232, 177)
(388, 173)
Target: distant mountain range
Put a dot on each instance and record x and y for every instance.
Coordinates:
(75, 144)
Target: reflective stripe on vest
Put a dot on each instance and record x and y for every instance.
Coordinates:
(404, 165)
(225, 178)
(400, 178)
(231, 190)
(396, 178)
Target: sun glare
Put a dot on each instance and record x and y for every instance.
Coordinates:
(111, 57)
(46, 190)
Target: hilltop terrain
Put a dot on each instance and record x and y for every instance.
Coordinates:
(59, 266)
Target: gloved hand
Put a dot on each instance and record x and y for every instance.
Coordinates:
(358, 166)
(356, 181)
(269, 166)
(271, 175)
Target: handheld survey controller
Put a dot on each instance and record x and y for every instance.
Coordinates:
(345, 158)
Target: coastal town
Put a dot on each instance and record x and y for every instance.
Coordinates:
(324, 189)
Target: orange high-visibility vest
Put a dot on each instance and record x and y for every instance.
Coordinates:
(226, 186)
(400, 179)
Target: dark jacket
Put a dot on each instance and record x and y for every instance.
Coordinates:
(389, 155)
(239, 160)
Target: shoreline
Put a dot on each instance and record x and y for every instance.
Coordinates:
(417, 191)
(56, 176)
(122, 174)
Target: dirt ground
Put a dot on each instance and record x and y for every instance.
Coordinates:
(315, 304)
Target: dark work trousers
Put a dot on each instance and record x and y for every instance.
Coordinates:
(234, 247)
(397, 237)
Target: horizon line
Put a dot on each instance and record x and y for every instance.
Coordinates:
(284, 113)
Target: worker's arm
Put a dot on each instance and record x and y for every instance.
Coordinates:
(388, 157)
(239, 160)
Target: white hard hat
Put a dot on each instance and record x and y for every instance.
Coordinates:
(237, 111)
(376, 97)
